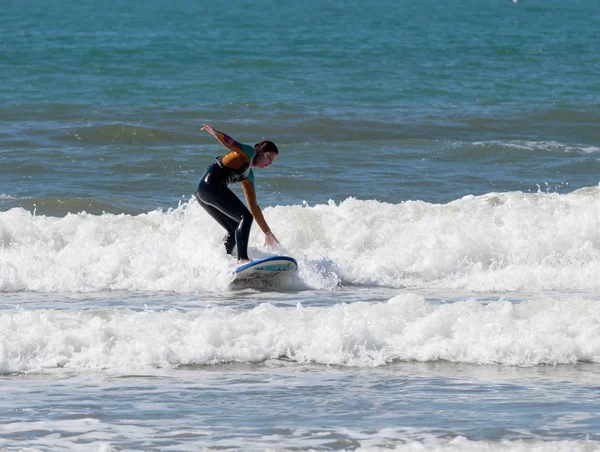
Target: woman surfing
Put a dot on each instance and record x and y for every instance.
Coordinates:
(222, 204)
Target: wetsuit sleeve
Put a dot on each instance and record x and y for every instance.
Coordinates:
(235, 159)
(249, 151)
(250, 194)
(239, 157)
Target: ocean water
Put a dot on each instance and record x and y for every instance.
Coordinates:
(438, 183)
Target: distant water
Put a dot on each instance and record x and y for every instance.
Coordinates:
(438, 185)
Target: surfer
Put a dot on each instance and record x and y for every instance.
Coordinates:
(222, 204)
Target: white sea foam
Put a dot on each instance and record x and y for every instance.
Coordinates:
(406, 328)
(91, 434)
(179, 250)
(462, 444)
(496, 242)
(528, 145)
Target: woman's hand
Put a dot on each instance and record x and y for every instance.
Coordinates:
(270, 239)
(210, 129)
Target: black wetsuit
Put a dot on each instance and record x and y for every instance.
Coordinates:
(224, 206)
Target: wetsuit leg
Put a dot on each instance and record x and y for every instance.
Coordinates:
(228, 224)
(217, 195)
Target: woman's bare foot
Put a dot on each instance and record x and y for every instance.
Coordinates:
(243, 261)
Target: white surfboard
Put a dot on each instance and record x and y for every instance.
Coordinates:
(264, 270)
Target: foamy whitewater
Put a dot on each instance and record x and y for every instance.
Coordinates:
(437, 182)
(498, 242)
(405, 328)
(388, 297)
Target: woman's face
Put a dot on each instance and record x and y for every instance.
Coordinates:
(264, 159)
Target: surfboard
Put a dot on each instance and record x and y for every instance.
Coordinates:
(265, 270)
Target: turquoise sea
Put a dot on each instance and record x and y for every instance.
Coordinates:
(438, 183)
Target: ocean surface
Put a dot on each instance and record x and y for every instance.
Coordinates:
(438, 183)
